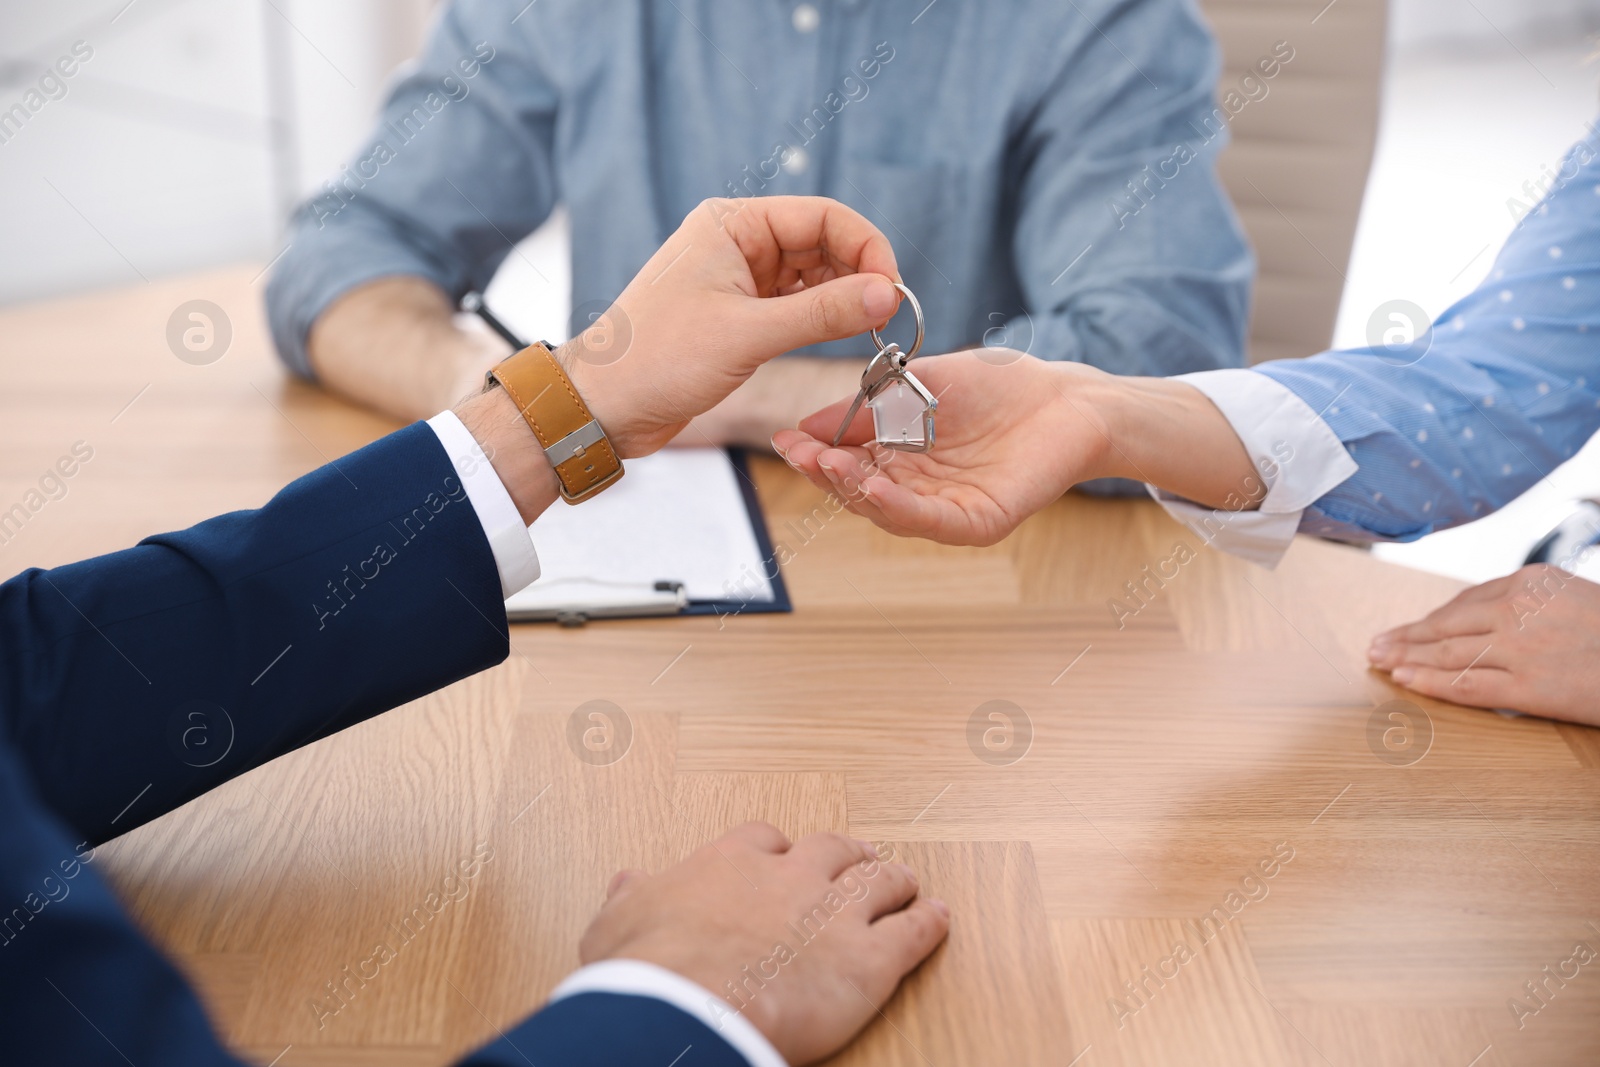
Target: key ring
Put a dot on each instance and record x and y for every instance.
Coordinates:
(916, 309)
(902, 407)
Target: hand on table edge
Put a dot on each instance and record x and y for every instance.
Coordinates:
(731, 918)
(1527, 642)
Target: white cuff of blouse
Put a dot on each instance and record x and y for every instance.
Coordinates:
(1299, 456)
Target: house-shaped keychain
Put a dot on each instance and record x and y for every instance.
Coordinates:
(902, 413)
(902, 407)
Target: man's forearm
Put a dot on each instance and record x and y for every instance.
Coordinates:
(777, 396)
(393, 345)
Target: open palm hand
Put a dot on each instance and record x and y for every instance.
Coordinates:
(1010, 439)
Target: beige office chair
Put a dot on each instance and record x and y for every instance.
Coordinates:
(1297, 166)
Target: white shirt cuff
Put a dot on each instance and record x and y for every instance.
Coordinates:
(1299, 457)
(508, 536)
(637, 978)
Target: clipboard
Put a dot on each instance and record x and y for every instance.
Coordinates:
(720, 533)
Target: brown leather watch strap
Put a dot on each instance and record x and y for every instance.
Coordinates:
(584, 461)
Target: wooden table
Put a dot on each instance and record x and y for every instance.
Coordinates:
(1168, 761)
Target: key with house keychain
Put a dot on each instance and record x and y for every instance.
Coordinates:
(902, 407)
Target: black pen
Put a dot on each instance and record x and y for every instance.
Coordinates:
(473, 302)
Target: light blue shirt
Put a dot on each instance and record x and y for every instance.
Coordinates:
(1379, 444)
(1002, 147)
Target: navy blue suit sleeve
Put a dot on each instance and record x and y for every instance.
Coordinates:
(78, 984)
(136, 681)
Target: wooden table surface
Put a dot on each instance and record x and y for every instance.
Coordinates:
(1149, 773)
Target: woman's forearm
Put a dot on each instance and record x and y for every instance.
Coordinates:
(1169, 434)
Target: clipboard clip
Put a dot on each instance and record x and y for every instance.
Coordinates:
(665, 597)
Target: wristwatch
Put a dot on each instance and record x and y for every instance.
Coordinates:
(576, 445)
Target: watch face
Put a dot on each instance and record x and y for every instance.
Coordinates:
(899, 418)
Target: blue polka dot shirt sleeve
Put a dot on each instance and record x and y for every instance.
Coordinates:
(1505, 388)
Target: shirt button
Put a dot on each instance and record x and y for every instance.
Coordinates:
(806, 17)
(797, 162)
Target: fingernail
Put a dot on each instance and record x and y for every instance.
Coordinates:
(825, 467)
(775, 448)
(1403, 675)
(941, 907)
(879, 300)
(866, 490)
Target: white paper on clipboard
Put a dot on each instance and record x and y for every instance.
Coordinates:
(678, 516)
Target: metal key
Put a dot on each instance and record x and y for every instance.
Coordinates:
(902, 408)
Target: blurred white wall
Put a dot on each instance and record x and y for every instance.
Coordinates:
(341, 56)
(179, 141)
(1488, 25)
